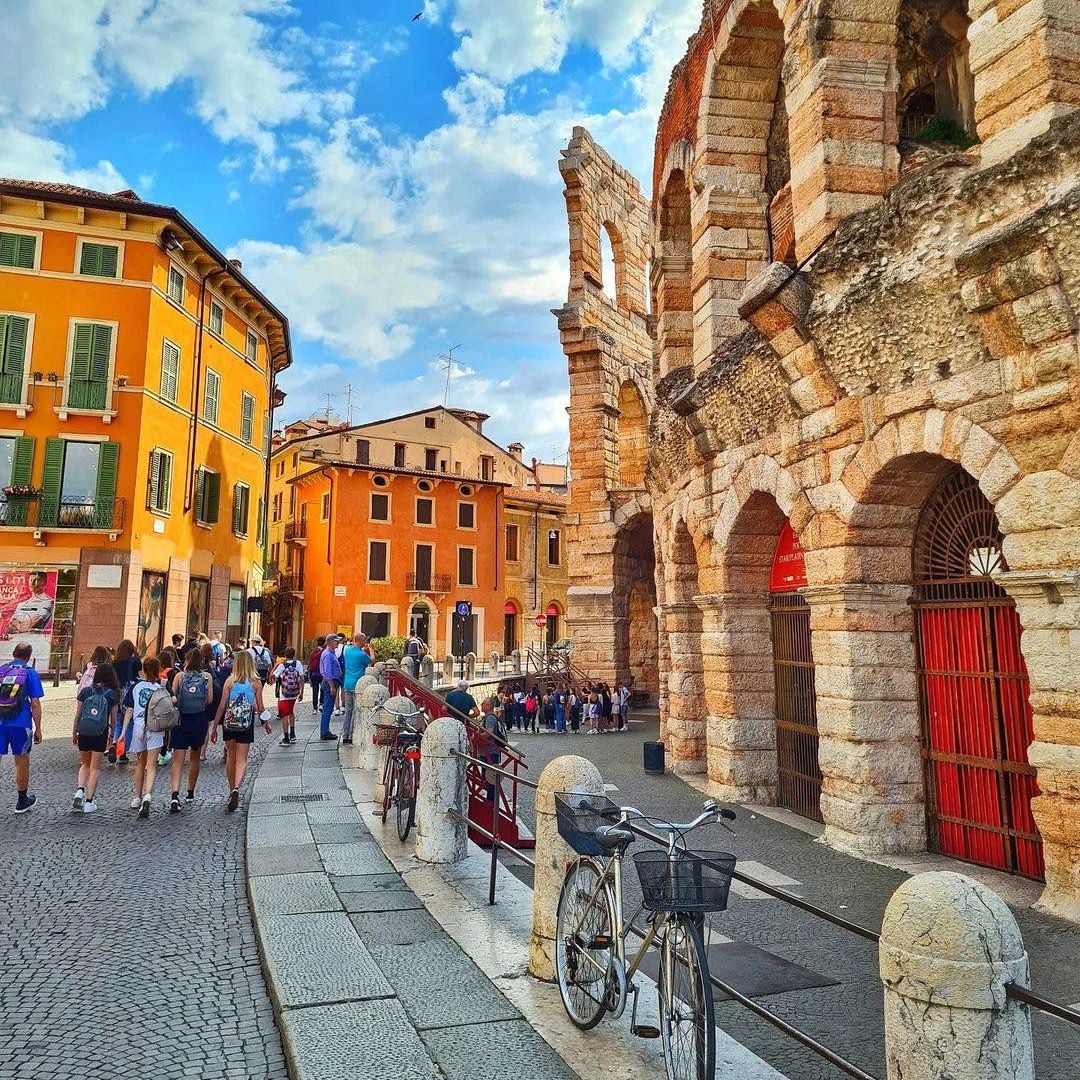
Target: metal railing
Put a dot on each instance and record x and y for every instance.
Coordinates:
(428, 582)
(104, 514)
(296, 530)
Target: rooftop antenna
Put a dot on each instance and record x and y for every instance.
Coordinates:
(448, 358)
(329, 400)
(348, 403)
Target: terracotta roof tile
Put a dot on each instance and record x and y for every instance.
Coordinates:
(48, 187)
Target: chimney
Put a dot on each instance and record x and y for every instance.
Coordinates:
(236, 264)
(516, 449)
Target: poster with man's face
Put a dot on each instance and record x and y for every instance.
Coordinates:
(27, 605)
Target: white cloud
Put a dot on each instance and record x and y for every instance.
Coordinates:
(475, 98)
(33, 157)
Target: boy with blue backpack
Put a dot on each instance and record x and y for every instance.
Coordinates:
(20, 718)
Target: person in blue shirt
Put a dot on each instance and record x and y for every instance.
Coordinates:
(357, 659)
(330, 670)
(20, 718)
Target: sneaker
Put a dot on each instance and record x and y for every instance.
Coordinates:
(347, 741)
(285, 741)
(89, 806)
(190, 796)
(24, 803)
(292, 736)
(328, 736)
(77, 802)
(234, 799)
(111, 755)
(144, 810)
(136, 802)
(123, 759)
(174, 803)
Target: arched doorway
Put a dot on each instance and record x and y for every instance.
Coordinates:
(510, 627)
(973, 687)
(798, 786)
(420, 622)
(553, 627)
(633, 435)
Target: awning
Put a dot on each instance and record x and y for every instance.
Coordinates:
(553, 609)
(510, 608)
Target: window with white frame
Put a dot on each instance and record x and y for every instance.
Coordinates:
(207, 496)
(466, 566)
(380, 507)
(466, 515)
(217, 317)
(211, 396)
(18, 250)
(378, 560)
(175, 287)
(159, 481)
(170, 370)
(252, 347)
(91, 358)
(324, 506)
(99, 260)
(241, 508)
(14, 337)
(247, 419)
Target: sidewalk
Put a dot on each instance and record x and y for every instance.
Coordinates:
(364, 981)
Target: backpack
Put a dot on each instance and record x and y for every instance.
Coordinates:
(239, 714)
(94, 714)
(161, 713)
(313, 660)
(192, 695)
(86, 680)
(413, 648)
(12, 690)
(291, 681)
(530, 704)
(262, 659)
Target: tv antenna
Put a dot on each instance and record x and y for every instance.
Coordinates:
(448, 359)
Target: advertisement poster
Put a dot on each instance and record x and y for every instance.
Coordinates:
(27, 605)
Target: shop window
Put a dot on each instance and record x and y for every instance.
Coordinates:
(375, 624)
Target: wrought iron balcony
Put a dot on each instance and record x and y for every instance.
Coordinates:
(296, 532)
(84, 515)
(291, 583)
(428, 582)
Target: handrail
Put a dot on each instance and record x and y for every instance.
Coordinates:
(494, 768)
(1019, 992)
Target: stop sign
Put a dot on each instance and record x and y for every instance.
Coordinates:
(541, 621)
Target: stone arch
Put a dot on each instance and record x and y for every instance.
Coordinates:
(672, 295)
(634, 599)
(612, 263)
(632, 435)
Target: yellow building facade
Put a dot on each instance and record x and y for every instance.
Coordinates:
(137, 381)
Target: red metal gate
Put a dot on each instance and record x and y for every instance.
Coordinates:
(973, 688)
(798, 774)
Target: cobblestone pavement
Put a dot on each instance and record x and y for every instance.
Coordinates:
(848, 1016)
(128, 949)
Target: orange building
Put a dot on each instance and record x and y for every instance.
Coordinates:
(137, 369)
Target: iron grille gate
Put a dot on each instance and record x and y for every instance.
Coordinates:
(973, 688)
(798, 773)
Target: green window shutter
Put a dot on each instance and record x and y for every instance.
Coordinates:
(170, 371)
(22, 464)
(105, 497)
(213, 498)
(80, 355)
(247, 419)
(14, 330)
(89, 382)
(210, 397)
(8, 248)
(99, 353)
(152, 491)
(165, 483)
(237, 494)
(99, 260)
(200, 495)
(110, 260)
(51, 478)
(17, 250)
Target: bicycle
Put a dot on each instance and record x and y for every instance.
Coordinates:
(401, 775)
(678, 886)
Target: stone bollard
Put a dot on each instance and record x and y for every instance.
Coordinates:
(408, 666)
(494, 660)
(515, 658)
(369, 702)
(448, 668)
(470, 667)
(566, 773)
(388, 713)
(378, 669)
(440, 836)
(948, 948)
(427, 671)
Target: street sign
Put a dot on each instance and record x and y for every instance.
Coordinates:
(541, 620)
(463, 608)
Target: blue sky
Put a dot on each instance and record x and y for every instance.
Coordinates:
(391, 184)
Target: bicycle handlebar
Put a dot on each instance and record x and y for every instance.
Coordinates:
(712, 813)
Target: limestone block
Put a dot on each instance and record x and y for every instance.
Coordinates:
(949, 946)
(870, 822)
(441, 832)
(1043, 500)
(1044, 315)
(563, 774)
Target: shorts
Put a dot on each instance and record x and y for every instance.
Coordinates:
(96, 744)
(191, 732)
(285, 706)
(15, 739)
(143, 740)
(240, 736)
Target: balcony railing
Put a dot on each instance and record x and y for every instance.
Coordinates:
(86, 515)
(290, 583)
(428, 582)
(295, 531)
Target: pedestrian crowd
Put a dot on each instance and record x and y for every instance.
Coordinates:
(595, 708)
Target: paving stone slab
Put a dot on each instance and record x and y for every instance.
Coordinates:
(317, 959)
(317, 746)
(293, 894)
(364, 857)
(347, 833)
(320, 778)
(324, 813)
(271, 788)
(376, 892)
(494, 1051)
(461, 994)
(329, 1042)
(288, 859)
(396, 927)
(278, 831)
(274, 809)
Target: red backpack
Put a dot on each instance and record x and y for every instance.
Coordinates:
(313, 659)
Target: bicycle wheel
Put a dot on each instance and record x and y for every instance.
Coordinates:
(687, 1021)
(585, 943)
(390, 787)
(406, 799)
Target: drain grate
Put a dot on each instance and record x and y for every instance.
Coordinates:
(307, 796)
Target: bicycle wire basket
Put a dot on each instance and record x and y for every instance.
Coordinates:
(689, 881)
(579, 816)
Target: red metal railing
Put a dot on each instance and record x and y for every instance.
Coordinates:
(481, 811)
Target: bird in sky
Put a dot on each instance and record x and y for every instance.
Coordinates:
(419, 15)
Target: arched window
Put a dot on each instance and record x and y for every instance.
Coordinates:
(610, 270)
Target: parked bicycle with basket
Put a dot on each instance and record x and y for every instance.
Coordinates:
(401, 774)
(678, 887)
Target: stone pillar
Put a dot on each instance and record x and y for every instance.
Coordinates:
(448, 668)
(949, 946)
(1048, 603)
(868, 718)
(378, 669)
(427, 671)
(685, 730)
(368, 703)
(494, 660)
(409, 666)
(736, 645)
(592, 627)
(515, 659)
(566, 773)
(470, 667)
(442, 836)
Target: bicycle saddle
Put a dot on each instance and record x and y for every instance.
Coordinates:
(613, 836)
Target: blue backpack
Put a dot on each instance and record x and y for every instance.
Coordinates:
(13, 679)
(94, 714)
(192, 696)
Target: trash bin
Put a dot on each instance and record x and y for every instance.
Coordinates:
(654, 757)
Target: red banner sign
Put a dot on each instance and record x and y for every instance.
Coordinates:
(541, 621)
(788, 567)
